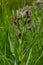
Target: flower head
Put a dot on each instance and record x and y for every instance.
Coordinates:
(28, 14)
(15, 18)
(19, 35)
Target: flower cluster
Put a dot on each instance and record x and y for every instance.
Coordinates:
(23, 19)
(24, 16)
(22, 13)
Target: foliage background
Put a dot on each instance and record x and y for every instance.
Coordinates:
(9, 43)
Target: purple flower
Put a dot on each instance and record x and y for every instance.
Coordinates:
(19, 35)
(15, 18)
(28, 14)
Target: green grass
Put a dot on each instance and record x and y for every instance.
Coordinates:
(27, 50)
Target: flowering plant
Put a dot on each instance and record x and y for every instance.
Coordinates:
(21, 35)
(27, 26)
(22, 18)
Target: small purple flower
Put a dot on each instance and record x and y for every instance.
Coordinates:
(19, 35)
(28, 14)
(15, 18)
